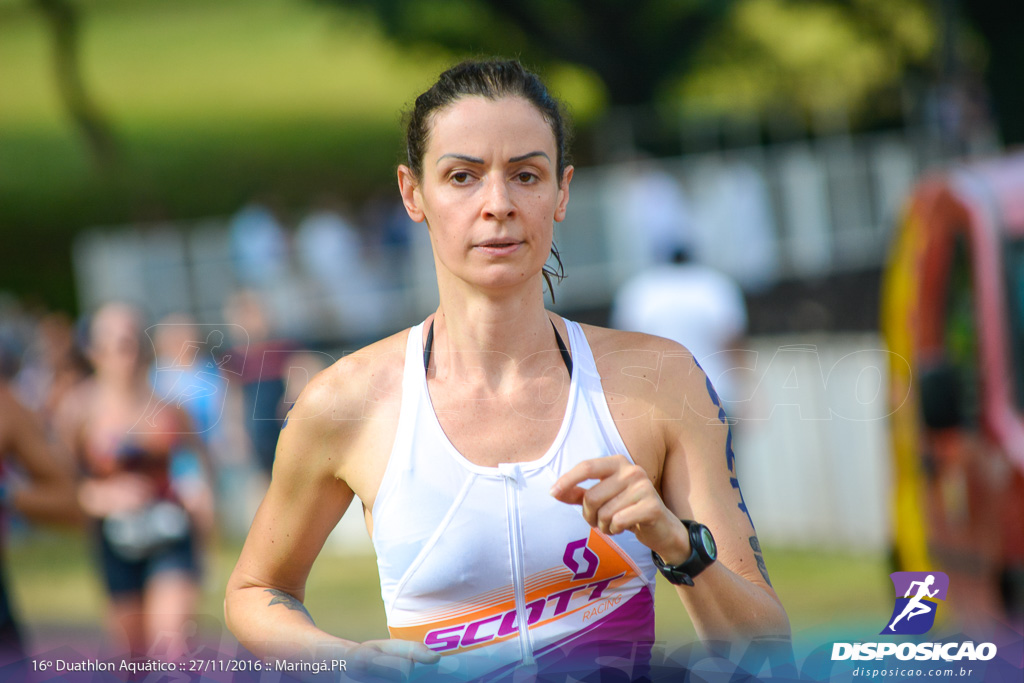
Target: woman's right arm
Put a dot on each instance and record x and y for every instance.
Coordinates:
(306, 498)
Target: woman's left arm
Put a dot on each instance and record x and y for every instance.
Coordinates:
(734, 596)
(689, 474)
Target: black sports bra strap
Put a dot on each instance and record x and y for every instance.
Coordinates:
(429, 345)
(562, 350)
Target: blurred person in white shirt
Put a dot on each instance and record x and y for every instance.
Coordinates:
(693, 304)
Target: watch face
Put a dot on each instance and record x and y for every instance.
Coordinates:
(709, 543)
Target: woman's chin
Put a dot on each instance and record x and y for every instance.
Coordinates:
(511, 281)
(496, 278)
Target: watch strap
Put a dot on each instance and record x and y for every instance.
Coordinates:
(700, 557)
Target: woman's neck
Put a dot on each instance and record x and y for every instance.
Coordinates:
(489, 333)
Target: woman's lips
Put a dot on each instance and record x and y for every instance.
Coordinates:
(499, 247)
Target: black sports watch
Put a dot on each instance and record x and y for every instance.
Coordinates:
(703, 554)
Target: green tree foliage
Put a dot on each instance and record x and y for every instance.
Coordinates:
(1001, 24)
(708, 57)
(811, 57)
(633, 47)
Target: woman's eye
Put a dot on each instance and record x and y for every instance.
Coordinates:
(526, 177)
(459, 178)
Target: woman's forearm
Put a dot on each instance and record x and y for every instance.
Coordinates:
(724, 606)
(273, 623)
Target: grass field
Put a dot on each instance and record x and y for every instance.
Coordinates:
(58, 594)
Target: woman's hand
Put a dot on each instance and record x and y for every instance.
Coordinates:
(373, 660)
(624, 499)
(391, 660)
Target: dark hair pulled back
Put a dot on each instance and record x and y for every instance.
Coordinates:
(493, 79)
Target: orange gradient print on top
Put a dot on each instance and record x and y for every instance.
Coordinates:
(586, 587)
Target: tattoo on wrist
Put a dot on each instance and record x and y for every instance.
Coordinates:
(288, 600)
(755, 545)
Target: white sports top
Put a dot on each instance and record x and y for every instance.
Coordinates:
(468, 553)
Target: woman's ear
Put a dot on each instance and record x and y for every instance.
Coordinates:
(563, 194)
(409, 189)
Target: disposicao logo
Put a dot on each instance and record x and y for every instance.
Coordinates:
(916, 593)
(914, 614)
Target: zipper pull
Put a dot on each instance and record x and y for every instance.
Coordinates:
(511, 471)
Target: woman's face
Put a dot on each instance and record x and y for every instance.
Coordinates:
(114, 342)
(489, 191)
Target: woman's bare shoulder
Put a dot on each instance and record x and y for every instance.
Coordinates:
(604, 340)
(654, 372)
(615, 349)
(363, 384)
(342, 424)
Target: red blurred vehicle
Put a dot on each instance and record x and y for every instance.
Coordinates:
(953, 314)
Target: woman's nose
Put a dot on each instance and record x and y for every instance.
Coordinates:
(498, 204)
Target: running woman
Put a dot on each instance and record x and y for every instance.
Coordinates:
(44, 491)
(523, 478)
(123, 438)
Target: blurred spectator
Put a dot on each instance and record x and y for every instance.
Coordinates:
(34, 482)
(17, 329)
(331, 253)
(185, 371)
(259, 246)
(655, 210)
(734, 225)
(260, 361)
(123, 440)
(52, 365)
(390, 222)
(262, 256)
(186, 375)
(390, 231)
(692, 304)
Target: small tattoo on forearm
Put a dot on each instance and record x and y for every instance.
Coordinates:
(755, 545)
(288, 600)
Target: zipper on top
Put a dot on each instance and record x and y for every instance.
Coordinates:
(512, 473)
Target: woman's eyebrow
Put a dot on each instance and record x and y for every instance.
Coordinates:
(460, 157)
(528, 155)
